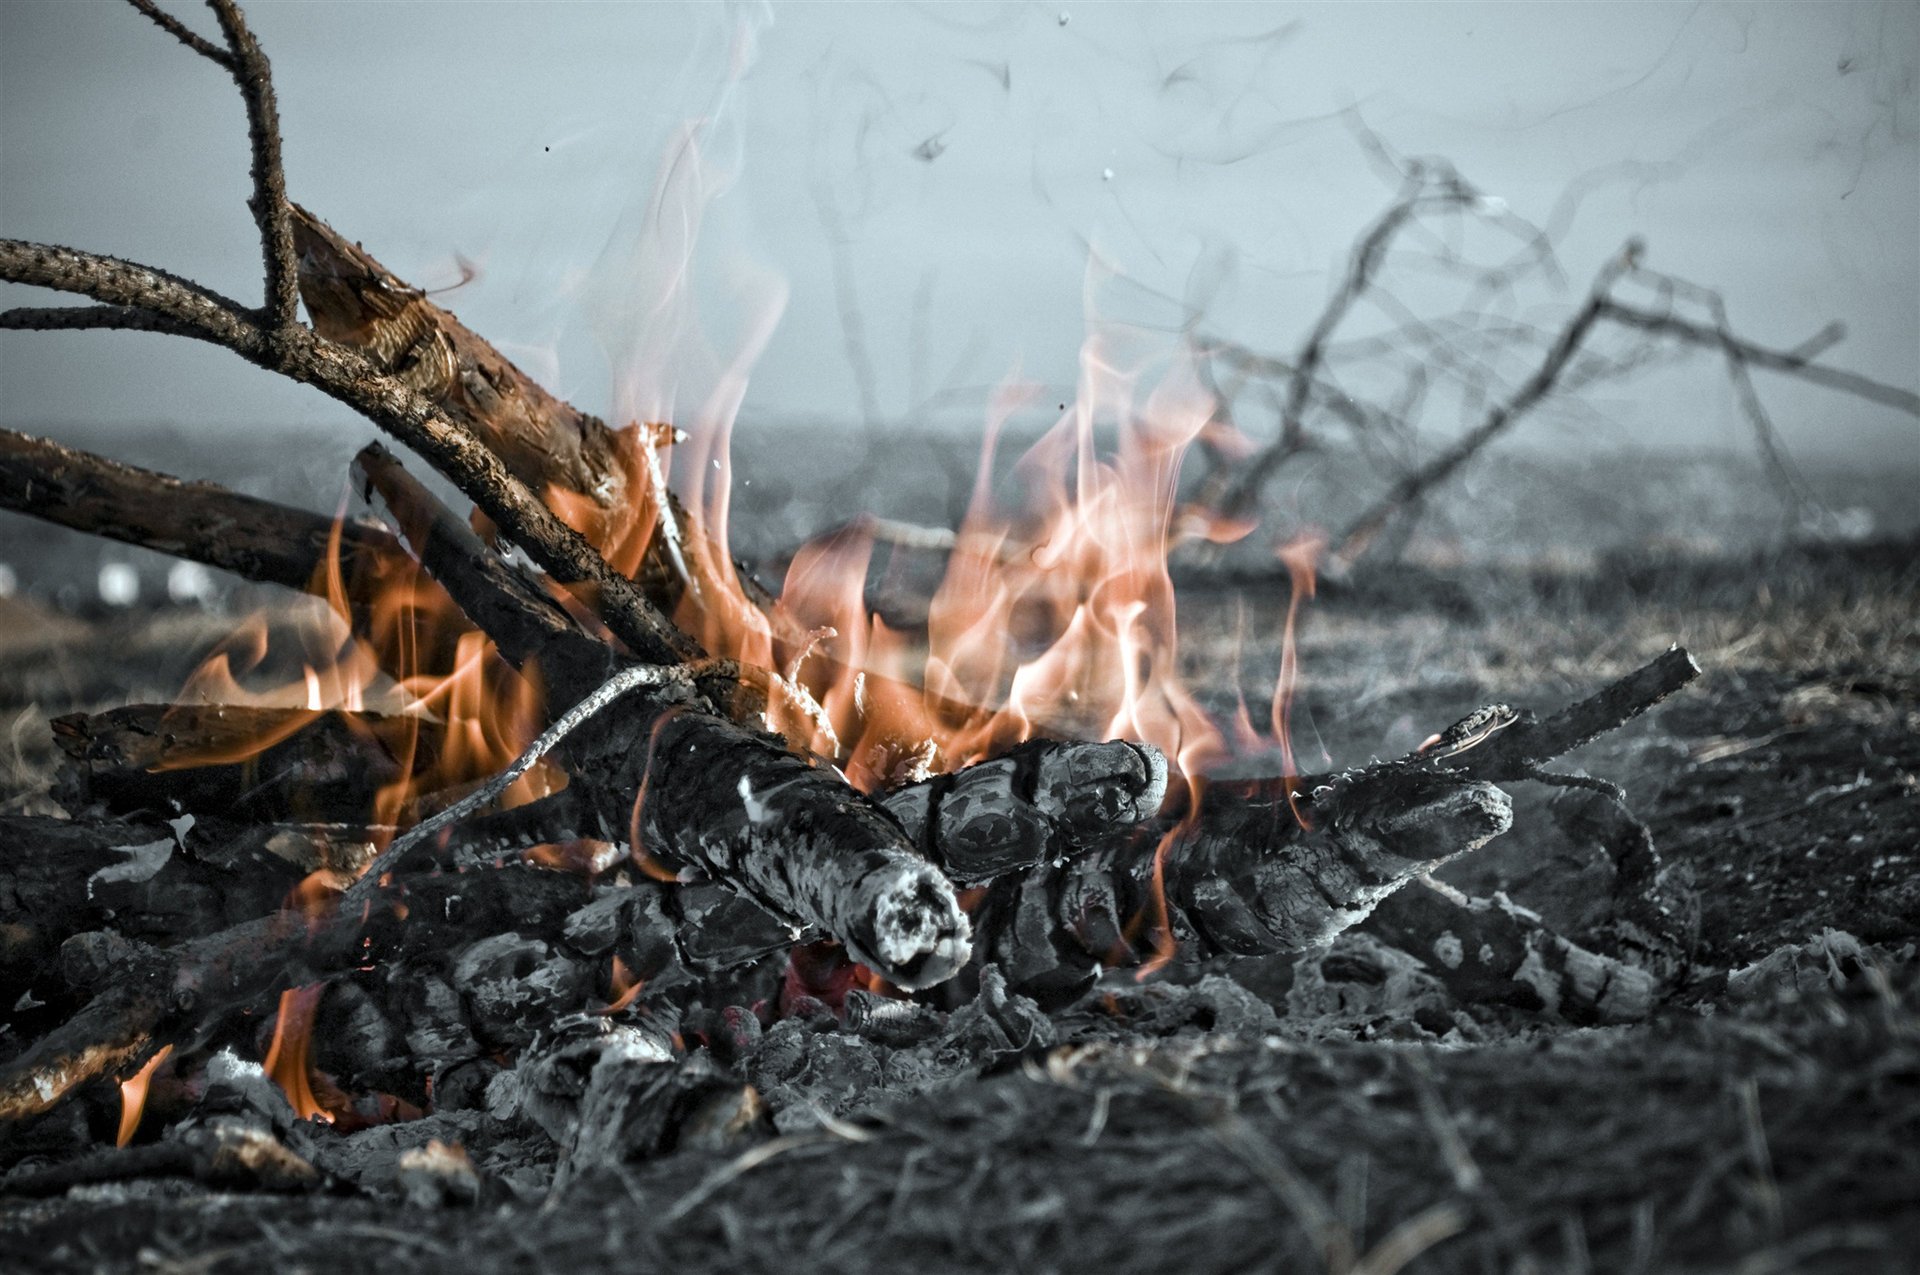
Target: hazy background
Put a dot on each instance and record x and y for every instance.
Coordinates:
(917, 190)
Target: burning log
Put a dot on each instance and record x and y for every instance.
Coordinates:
(694, 790)
(1254, 871)
(612, 482)
(1284, 866)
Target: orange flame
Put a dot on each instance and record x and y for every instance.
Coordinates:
(286, 1059)
(624, 986)
(133, 1096)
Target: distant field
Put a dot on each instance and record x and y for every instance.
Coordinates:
(789, 484)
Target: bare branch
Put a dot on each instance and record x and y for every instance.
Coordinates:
(1361, 532)
(130, 284)
(179, 31)
(269, 202)
(1793, 362)
(58, 318)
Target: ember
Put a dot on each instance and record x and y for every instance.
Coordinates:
(552, 862)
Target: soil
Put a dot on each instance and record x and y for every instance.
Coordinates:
(1767, 1118)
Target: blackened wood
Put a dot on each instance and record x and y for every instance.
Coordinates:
(530, 628)
(223, 1153)
(1041, 801)
(1489, 951)
(1520, 750)
(173, 758)
(164, 996)
(1284, 865)
(1244, 876)
(60, 878)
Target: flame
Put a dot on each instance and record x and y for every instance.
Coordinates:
(286, 1060)
(1301, 556)
(1058, 615)
(624, 986)
(133, 1096)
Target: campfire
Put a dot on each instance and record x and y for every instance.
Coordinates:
(574, 850)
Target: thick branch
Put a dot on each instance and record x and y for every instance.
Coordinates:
(256, 539)
(277, 764)
(545, 442)
(345, 375)
(205, 522)
(1519, 751)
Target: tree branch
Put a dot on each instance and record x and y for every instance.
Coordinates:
(58, 318)
(254, 75)
(345, 375)
(130, 284)
(1792, 362)
(180, 31)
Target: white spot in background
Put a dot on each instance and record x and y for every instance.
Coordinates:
(8, 581)
(141, 863)
(1490, 206)
(119, 584)
(1065, 17)
(189, 582)
(1106, 174)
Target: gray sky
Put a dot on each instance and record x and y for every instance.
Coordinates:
(964, 158)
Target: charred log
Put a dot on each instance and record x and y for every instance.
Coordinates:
(1040, 802)
(174, 758)
(1491, 951)
(1246, 875)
